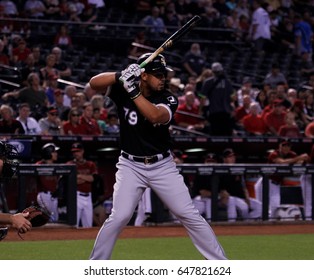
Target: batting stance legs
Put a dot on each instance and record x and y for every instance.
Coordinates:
(164, 178)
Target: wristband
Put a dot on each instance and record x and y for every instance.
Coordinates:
(136, 95)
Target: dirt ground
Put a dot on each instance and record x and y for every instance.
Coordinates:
(57, 232)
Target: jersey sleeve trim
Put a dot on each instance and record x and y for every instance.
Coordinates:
(168, 109)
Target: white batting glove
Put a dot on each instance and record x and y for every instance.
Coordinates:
(129, 82)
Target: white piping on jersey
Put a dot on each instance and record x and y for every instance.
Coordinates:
(169, 111)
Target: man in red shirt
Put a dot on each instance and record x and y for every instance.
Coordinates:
(192, 120)
(276, 117)
(89, 125)
(253, 123)
(85, 176)
(282, 155)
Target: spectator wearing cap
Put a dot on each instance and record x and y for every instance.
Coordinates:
(233, 189)
(47, 185)
(290, 128)
(88, 124)
(218, 90)
(30, 124)
(8, 123)
(282, 155)
(276, 117)
(86, 170)
(253, 123)
(51, 124)
(176, 87)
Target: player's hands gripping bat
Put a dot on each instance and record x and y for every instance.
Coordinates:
(129, 78)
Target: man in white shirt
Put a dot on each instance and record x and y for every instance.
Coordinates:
(260, 26)
(30, 125)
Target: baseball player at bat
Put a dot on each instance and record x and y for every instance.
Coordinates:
(145, 110)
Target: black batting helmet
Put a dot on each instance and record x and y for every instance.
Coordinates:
(158, 64)
(47, 149)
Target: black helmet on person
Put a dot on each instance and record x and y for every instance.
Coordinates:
(48, 149)
(157, 65)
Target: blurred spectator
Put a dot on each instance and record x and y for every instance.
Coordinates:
(4, 58)
(30, 125)
(89, 14)
(88, 124)
(48, 69)
(154, 22)
(292, 95)
(20, 53)
(242, 111)
(306, 65)
(101, 123)
(246, 89)
(176, 87)
(221, 7)
(170, 16)
(262, 99)
(51, 86)
(234, 190)
(276, 117)
(206, 73)
(58, 103)
(303, 34)
(299, 116)
(113, 126)
(39, 62)
(97, 102)
(8, 123)
(260, 27)
(89, 92)
(253, 123)
(290, 128)
(194, 62)
(69, 92)
(10, 8)
(243, 9)
(72, 125)
(140, 39)
(52, 11)
(33, 94)
(63, 69)
(34, 8)
(188, 114)
(63, 39)
(51, 125)
(309, 130)
(26, 68)
(218, 90)
(309, 106)
(275, 76)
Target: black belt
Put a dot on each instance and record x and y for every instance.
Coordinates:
(83, 193)
(146, 160)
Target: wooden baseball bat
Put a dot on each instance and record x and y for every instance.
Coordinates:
(172, 39)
